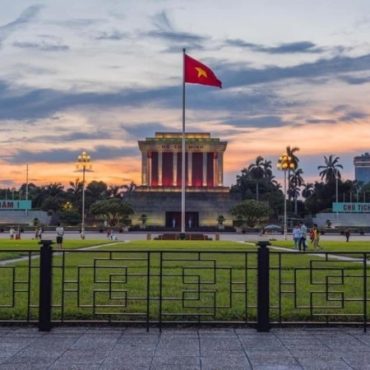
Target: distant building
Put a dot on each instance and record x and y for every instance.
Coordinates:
(362, 168)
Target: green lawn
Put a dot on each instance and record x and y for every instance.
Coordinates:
(329, 245)
(14, 248)
(184, 245)
(112, 284)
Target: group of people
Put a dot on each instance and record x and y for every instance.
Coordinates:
(300, 237)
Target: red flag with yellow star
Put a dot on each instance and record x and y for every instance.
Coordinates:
(197, 73)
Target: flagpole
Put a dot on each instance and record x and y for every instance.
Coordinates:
(183, 149)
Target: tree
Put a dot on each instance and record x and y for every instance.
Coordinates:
(329, 171)
(75, 193)
(128, 189)
(295, 183)
(113, 210)
(115, 191)
(251, 211)
(257, 171)
(307, 190)
(290, 152)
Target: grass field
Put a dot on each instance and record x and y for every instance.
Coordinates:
(198, 279)
(14, 247)
(329, 245)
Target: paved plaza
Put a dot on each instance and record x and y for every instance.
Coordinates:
(180, 349)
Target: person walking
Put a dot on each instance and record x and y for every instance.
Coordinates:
(347, 234)
(302, 241)
(296, 233)
(60, 233)
(316, 238)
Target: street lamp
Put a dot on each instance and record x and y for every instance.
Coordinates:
(83, 165)
(285, 163)
(336, 189)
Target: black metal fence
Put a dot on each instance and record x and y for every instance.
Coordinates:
(256, 288)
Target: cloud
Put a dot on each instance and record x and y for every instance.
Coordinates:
(19, 103)
(25, 17)
(42, 46)
(352, 80)
(39, 103)
(235, 75)
(73, 136)
(353, 116)
(258, 121)
(285, 48)
(144, 129)
(348, 113)
(65, 155)
(165, 31)
(113, 35)
(177, 37)
(162, 21)
(320, 121)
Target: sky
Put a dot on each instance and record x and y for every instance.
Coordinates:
(99, 75)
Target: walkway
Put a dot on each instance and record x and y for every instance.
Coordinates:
(180, 349)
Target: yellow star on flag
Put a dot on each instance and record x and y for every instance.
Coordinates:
(201, 72)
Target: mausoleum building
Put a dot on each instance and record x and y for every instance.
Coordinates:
(162, 161)
(159, 196)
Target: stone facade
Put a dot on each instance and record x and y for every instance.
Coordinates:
(159, 196)
(162, 161)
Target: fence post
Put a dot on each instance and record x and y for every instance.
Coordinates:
(45, 285)
(263, 287)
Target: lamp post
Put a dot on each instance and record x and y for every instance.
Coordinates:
(336, 190)
(83, 165)
(285, 163)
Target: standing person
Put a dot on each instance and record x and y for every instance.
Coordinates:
(296, 233)
(60, 233)
(12, 233)
(39, 232)
(36, 233)
(347, 234)
(316, 238)
(312, 235)
(302, 241)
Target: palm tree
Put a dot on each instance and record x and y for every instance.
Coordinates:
(307, 191)
(330, 172)
(290, 153)
(295, 182)
(75, 193)
(257, 170)
(267, 167)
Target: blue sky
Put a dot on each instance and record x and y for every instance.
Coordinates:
(100, 75)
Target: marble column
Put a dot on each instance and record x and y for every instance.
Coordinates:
(220, 169)
(215, 169)
(159, 168)
(190, 168)
(204, 180)
(174, 169)
(149, 169)
(144, 168)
